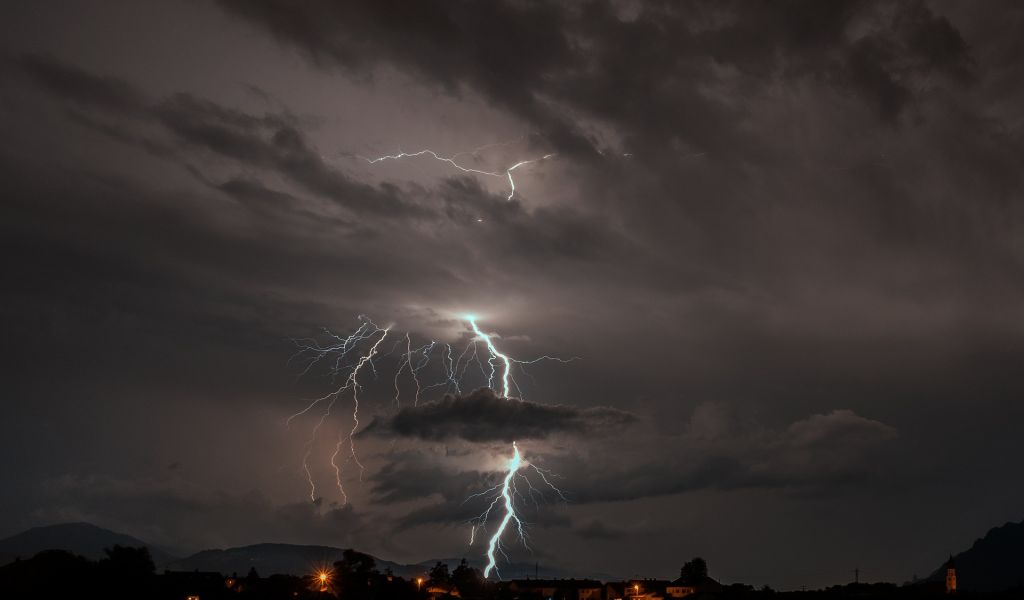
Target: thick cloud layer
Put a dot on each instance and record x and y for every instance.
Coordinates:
(484, 416)
(813, 454)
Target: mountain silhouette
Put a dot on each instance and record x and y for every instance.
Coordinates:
(993, 563)
(83, 539)
(295, 559)
(89, 541)
(267, 559)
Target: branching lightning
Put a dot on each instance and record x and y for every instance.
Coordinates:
(506, 491)
(347, 357)
(339, 348)
(514, 464)
(504, 495)
(495, 355)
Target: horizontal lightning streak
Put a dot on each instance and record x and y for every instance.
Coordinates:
(507, 173)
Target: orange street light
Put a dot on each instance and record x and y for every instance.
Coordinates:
(323, 577)
(419, 582)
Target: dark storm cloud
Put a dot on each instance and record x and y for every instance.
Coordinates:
(270, 141)
(105, 93)
(484, 416)
(707, 99)
(409, 477)
(820, 453)
(506, 50)
(274, 142)
(597, 530)
(533, 235)
(595, 58)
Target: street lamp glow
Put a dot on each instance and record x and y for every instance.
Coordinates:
(323, 578)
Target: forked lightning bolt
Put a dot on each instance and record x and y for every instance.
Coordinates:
(495, 355)
(507, 380)
(354, 384)
(506, 491)
(504, 495)
(513, 466)
(339, 348)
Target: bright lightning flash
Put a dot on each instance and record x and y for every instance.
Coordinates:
(517, 473)
(344, 358)
(494, 355)
(510, 511)
(514, 466)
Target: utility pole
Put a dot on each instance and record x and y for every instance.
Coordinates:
(856, 575)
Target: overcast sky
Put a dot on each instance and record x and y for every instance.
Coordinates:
(785, 240)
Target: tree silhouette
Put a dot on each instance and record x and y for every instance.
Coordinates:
(355, 575)
(127, 572)
(128, 562)
(467, 579)
(356, 565)
(439, 574)
(694, 571)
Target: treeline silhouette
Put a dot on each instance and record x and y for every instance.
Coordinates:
(129, 573)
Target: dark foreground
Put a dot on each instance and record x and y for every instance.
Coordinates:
(130, 573)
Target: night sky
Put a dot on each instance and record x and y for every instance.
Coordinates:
(785, 240)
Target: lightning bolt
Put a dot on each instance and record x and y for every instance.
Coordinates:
(506, 492)
(508, 172)
(340, 348)
(513, 466)
(348, 357)
(450, 160)
(504, 496)
(494, 355)
(355, 406)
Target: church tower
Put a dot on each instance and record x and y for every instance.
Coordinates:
(950, 576)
